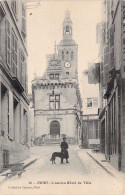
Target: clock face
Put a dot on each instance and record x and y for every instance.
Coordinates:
(67, 64)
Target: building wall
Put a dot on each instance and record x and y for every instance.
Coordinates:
(90, 91)
(112, 113)
(42, 124)
(14, 131)
(65, 115)
(67, 97)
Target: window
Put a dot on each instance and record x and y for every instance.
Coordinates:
(12, 48)
(23, 70)
(67, 29)
(8, 34)
(72, 55)
(14, 7)
(51, 76)
(89, 102)
(54, 76)
(54, 102)
(67, 54)
(14, 53)
(92, 102)
(22, 58)
(62, 55)
(23, 21)
(93, 129)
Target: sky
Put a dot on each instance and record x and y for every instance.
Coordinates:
(44, 27)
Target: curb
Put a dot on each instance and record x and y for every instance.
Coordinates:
(25, 166)
(101, 165)
(28, 164)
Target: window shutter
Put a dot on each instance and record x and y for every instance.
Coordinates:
(23, 21)
(8, 43)
(11, 115)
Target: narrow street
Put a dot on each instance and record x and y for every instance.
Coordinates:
(81, 175)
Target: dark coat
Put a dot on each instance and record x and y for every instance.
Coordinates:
(64, 151)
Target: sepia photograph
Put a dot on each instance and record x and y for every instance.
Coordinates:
(62, 97)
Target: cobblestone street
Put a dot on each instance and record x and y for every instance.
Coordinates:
(81, 175)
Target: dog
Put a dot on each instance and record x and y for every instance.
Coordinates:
(54, 155)
(57, 154)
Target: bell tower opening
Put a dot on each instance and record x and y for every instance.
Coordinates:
(67, 25)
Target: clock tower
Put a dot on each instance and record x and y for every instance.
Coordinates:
(56, 95)
(67, 50)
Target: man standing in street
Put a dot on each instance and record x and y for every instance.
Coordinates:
(64, 150)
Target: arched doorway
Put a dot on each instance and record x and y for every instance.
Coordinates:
(55, 129)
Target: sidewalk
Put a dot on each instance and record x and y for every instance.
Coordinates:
(100, 159)
(26, 162)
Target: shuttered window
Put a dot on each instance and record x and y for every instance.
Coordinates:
(23, 71)
(8, 38)
(23, 21)
(14, 53)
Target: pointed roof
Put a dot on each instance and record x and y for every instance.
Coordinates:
(67, 18)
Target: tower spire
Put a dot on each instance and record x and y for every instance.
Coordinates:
(55, 47)
(67, 26)
(67, 14)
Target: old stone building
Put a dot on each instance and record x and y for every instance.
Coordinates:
(111, 39)
(90, 95)
(14, 131)
(56, 95)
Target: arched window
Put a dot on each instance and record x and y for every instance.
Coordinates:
(62, 55)
(67, 55)
(72, 55)
(67, 30)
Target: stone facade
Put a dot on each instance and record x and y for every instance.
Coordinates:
(90, 96)
(14, 126)
(56, 95)
(112, 81)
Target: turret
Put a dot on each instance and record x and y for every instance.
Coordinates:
(67, 26)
